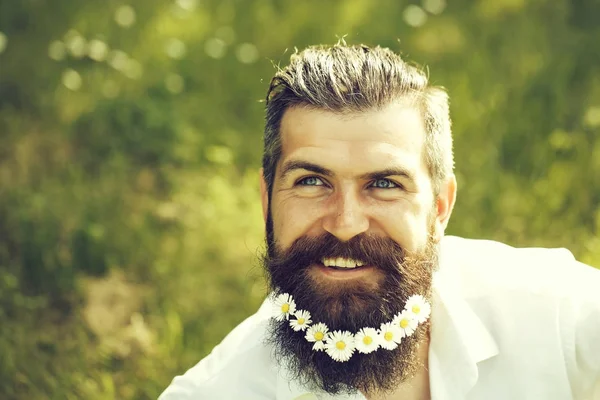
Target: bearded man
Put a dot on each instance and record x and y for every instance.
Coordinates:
(369, 299)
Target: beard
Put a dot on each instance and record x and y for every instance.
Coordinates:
(349, 305)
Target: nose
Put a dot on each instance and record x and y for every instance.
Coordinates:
(347, 217)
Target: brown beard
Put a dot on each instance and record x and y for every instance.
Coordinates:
(348, 307)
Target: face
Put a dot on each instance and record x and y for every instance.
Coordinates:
(354, 174)
(352, 224)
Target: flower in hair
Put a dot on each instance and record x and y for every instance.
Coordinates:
(419, 307)
(316, 334)
(340, 345)
(284, 306)
(302, 320)
(366, 340)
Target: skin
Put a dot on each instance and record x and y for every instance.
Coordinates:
(352, 174)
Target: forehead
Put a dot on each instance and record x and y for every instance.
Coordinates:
(355, 142)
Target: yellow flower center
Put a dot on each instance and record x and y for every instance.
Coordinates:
(340, 345)
(367, 340)
(416, 309)
(300, 321)
(285, 308)
(403, 323)
(388, 336)
(319, 336)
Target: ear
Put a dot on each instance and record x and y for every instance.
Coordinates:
(264, 195)
(444, 206)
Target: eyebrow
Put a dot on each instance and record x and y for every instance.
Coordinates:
(293, 165)
(395, 171)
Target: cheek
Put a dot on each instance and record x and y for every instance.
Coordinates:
(405, 222)
(292, 219)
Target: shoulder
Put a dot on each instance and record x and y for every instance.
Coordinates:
(531, 298)
(485, 267)
(239, 367)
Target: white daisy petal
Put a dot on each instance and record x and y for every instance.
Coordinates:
(302, 321)
(283, 307)
(366, 340)
(319, 346)
(419, 307)
(340, 345)
(406, 321)
(316, 334)
(390, 336)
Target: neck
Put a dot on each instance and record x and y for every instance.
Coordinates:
(416, 388)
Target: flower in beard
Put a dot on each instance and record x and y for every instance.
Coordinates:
(419, 307)
(366, 340)
(406, 321)
(316, 334)
(284, 306)
(302, 320)
(390, 336)
(340, 345)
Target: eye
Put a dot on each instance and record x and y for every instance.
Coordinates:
(384, 184)
(310, 181)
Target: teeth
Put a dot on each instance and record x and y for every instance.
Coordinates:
(341, 262)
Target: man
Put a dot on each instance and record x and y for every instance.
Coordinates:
(368, 298)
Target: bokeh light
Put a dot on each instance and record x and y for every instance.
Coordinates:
(71, 79)
(215, 48)
(76, 44)
(414, 16)
(434, 6)
(3, 42)
(125, 16)
(118, 59)
(133, 69)
(247, 53)
(175, 49)
(97, 50)
(592, 117)
(57, 50)
(187, 5)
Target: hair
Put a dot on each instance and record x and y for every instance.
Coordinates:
(352, 79)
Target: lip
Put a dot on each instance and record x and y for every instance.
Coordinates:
(343, 274)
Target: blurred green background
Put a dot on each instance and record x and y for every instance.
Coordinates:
(130, 139)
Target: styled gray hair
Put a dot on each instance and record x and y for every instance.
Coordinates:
(357, 78)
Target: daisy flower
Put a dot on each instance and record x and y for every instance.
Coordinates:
(419, 307)
(316, 334)
(302, 320)
(366, 340)
(284, 306)
(406, 321)
(390, 336)
(339, 345)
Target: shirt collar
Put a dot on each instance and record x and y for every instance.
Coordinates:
(459, 339)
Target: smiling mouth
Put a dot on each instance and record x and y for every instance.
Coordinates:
(342, 264)
(344, 270)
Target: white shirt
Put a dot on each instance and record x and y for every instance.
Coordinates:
(506, 323)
